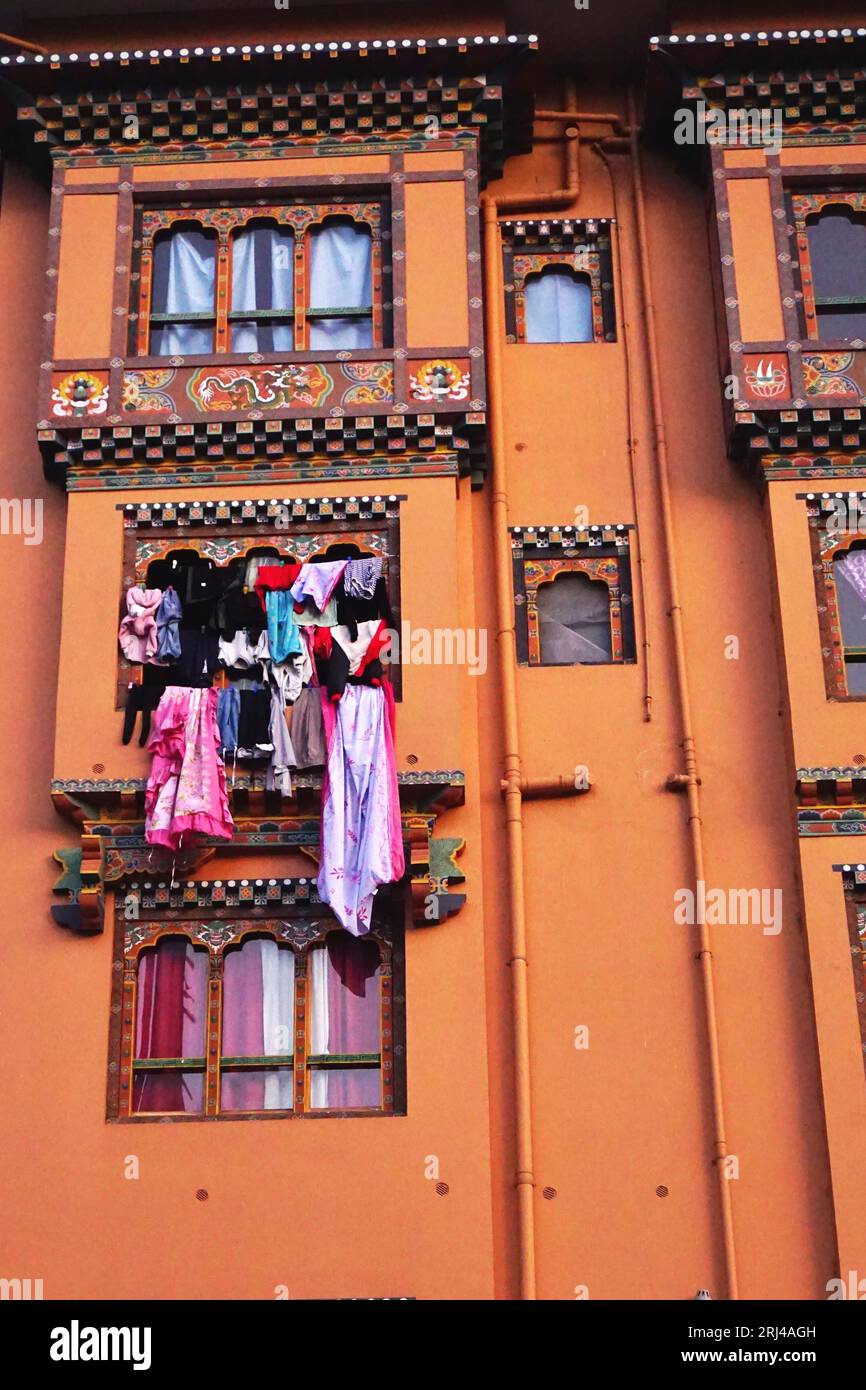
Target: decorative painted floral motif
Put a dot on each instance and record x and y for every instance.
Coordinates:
(825, 374)
(80, 394)
(440, 380)
(374, 383)
(145, 391)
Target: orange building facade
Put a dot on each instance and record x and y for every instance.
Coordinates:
(601, 421)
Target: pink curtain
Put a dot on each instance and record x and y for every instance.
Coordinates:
(353, 1022)
(170, 1022)
(243, 1031)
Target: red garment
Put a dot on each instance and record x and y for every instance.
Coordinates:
(381, 639)
(274, 577)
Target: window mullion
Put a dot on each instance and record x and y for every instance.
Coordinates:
(300, 287)
(145, 294)
(213, 1037)
(223, 281)
(386, 1028)
(300, 1040)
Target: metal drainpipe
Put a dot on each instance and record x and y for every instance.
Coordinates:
(514, 786)
(690, 779)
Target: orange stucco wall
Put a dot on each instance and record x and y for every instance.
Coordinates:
(756, 269)
(332, 1208)
(85, 278)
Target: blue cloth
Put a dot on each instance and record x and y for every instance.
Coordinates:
(168, 616)
(284, 638)
(558, 307)
(228, 713)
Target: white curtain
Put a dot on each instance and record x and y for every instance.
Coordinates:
(278, 1021)
(319, 1029)
(184, 281)
(340, 278)
(262, 278)
(558, 308)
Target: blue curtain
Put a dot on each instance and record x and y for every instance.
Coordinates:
(558, 308)
(340, 278)
(262, 278)
(184, 277)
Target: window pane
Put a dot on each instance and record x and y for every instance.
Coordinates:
(345, 1019)
(340, 278)
(837, 251)
(262, 278)
(354, 1088)
(184, 278)
(258, 1000)
(574, 620)
(332, 334)
(855, 673)
(842, 321)
(257, 1090)
(558, 307)
(170, 1022)
(180, 339)
(258, 1021)
(849, 572)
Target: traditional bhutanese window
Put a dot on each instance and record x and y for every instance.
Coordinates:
(232, 1020)
(558, 307)
(831, 240)
(264, 280)
(849, 575)
(573, 602)
(558, 282)
(838, 551)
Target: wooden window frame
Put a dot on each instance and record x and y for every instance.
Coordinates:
(221, 544)
(804, 206)
(826, 548)
(608, 564)
(592, 261)
(855, 913)
(219, 934)
(302, 217)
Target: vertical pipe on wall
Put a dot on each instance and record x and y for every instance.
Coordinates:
(691, 780)
(512, 778)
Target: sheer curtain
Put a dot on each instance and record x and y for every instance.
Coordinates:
(170, 1022)
(262, 278)
(558, 308)
(184, 277)
(340, 278)
(258, 1021)
(344, 991)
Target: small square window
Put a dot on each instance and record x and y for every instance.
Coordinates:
(572, 594)
(558, 282)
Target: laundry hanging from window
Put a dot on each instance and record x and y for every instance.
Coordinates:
(558, 307)
(340, 278)
(262, 311)
(183, 305)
